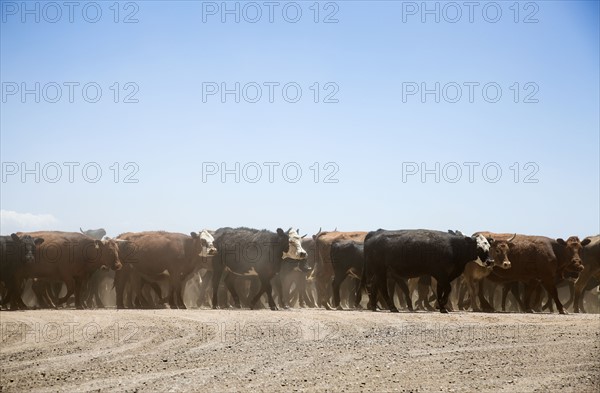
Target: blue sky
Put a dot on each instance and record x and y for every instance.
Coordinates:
(370, 134)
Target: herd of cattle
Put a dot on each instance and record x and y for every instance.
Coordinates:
(240, 265)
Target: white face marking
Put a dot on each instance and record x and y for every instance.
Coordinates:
(482, 244)
(208, 249)
(295, 250)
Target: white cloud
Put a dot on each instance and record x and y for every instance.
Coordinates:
(12, 221)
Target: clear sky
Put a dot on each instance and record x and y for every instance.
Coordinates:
(370, 129)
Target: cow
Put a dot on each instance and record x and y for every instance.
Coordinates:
(347, 260)
(591, 267)
(474, 273)
(15, 251)
(252, 252)
(323, 273)
(70, 257)
(151, 256)
(539, 259)
(96, 234)
(296, 272)
(412, 253)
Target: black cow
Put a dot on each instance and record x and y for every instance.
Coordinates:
(252, 252)
(347, 258)
(413, 253)
(15, 251)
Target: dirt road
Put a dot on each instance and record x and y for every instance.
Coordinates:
(297, 350)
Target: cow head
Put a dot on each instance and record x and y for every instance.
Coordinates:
(483, 250)
(291, 243)
(203, 243)
(573, 248)
(108, 252)
(499, 251)
(25, 247)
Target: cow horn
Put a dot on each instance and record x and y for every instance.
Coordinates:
(289, 229)
(512, 238)
(303, 236)
(81, 230)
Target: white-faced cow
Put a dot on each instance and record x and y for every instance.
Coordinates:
(252, 252)
(412, 253)
(152, 256)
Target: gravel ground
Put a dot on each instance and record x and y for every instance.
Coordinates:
(297, 350)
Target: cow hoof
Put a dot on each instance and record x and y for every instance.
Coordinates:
(394, 309)
(274, 308)
(339, 308)
(563, 312)
(443, 311)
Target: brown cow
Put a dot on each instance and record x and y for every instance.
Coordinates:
(539, 259)
(152, 253)
(591, 268)
(70, 257)
(323, 273)
(474, 272)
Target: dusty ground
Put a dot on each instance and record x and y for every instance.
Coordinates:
(297, 350)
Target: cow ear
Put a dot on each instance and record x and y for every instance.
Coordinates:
(15, 237)
(561, 242)
(98, 243)
(280, 232)
(585, 242)
(194, 234)
(490, 240)
(38, 241)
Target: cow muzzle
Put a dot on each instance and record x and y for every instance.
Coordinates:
(505, 265)
(117, 266)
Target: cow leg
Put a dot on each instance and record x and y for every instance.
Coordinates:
(216, 279)
(79, 284)
(551, 289)
(443, 292)
(264, 287)
(119, 284)
(485, 305)
(70, 283)
(337, 282)
(279, 290)
(230, 284)
(424, 287)
(571, 290)
(470, 282)
(382, 284)
(580, 285)
(403, 289)
(202, 297)
(529, 287)
(462, 291)
(177, 285)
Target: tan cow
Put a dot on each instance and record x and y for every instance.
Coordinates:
(474, 272)
(323, 273)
